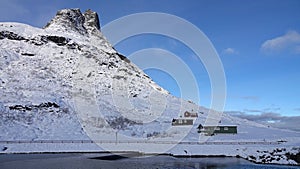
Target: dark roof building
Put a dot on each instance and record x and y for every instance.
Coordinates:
(211, 130)
(182, 122)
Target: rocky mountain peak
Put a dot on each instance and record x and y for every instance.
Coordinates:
(74, 20)
(91, 20)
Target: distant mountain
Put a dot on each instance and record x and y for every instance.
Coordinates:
(67, 82)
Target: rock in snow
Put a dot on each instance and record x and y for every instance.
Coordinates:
(43, 71)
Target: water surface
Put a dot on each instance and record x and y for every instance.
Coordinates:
(107, 161)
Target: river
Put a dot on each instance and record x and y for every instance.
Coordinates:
(122, 161)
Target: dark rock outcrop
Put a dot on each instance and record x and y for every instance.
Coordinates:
(68, 19)
(74, 20)
(91, 20)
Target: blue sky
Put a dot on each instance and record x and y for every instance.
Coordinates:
(258, 42)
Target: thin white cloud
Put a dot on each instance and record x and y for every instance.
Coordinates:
(270, 119)
(253, 110)
(252, 98)
(288, 42)
(297, 49)
(230, 51)
(297, 109)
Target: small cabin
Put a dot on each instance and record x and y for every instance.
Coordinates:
(182, 122)
(189, 114)
(211, 130)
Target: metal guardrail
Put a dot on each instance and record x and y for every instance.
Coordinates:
(134, 141)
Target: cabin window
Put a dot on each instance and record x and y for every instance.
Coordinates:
(180, 121)
(185, 121)
(218, 128)
(225, 128)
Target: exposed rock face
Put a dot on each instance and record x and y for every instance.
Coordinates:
(10, 35)
(91, 20)
(73, 19)
(68, 19)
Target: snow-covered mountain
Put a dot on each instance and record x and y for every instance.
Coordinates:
(45, 71)
(67, 82)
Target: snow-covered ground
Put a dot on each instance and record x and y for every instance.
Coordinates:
(65, 85)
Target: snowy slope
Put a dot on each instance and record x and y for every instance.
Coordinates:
(40, 66)
(66, 82)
